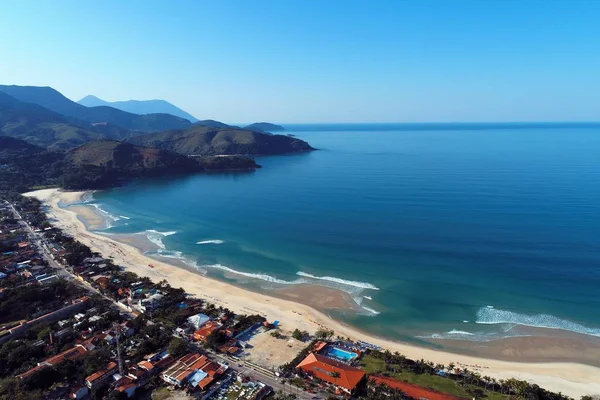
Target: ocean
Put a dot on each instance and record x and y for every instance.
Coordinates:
(437, 231)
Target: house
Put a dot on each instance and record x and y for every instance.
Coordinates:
(413, 391)
(71, 354)
(127, 329)
(102, 281)
(198, 320)
(206, 330)
(195, 370)
(79, 392)
(336, 373)
(126, 385)
(97, 378)
(156, 363)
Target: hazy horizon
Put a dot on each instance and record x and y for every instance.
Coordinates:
(300, 62)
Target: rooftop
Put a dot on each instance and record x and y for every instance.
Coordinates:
(414, 391)
(323, 368)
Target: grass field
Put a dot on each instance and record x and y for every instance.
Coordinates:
(375, 365)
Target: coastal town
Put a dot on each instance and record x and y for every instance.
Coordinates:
(76, 326)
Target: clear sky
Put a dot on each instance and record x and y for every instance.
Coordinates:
(316, 61)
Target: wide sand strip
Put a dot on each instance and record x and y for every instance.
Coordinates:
(569, 378)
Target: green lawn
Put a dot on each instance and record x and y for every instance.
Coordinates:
(446, 385)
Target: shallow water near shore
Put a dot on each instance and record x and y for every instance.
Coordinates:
(437, 236)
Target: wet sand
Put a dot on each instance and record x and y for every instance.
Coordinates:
(570, 376)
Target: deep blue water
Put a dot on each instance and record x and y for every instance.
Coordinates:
(436, 223)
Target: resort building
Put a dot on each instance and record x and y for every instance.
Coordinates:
(414, 391)
(342, 376)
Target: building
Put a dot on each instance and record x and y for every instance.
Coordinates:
(79, 392)
(336, 373)
(195, 370)
(198, 320)
(413, 391)
(98, 377)
(71, 354)
(206, 330)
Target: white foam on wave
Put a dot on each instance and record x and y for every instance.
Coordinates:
(465, 320)
(456, 334)
(157, 237)
(370, 310)
(108, 217)
(88, 197)
(489, 315)
(124, 217)
(261, 276)
(361, 285)
(168, 233)
(211, 241)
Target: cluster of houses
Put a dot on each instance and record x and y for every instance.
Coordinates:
(19, 260)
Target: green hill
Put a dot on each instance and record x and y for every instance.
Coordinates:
(43, 127)
(265, 127)
(202, 140)
(53, 100)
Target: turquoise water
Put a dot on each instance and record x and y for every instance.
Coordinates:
(341, 354)
(447, 231)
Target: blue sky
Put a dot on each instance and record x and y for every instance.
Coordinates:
(316, 61)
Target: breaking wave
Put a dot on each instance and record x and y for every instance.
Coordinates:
(489, 315)
(370, 310)
(361, 285)
(108, 217)
(264, 277)
(211, 241)
(124, 217)
(456, 334)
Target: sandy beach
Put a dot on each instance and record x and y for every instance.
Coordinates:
(567, 377)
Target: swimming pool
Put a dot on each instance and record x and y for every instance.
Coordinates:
(340, 354)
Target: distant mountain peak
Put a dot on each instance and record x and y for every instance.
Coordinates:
(141, 107)
(90, 97)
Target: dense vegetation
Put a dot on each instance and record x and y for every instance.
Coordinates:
(204, 140)
(95, 165)
(264, 127)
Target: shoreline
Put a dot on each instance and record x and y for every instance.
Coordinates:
(568, 377)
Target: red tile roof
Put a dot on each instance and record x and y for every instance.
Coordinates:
(102, 373)
(206, 330)
(319, 346)
(72, 354)
(323, 367)
(414, 391)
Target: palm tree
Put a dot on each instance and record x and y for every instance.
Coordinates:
(335, 375)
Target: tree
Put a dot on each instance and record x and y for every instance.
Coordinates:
(177, 347)
(324, 333)
(335, 375)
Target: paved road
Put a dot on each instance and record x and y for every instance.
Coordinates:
(246, 370)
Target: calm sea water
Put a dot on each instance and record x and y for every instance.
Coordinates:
(450, 231)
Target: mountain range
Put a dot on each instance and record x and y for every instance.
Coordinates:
(141, 107)
(53, 100)
(47, 139)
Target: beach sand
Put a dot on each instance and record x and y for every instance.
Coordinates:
(570, 378)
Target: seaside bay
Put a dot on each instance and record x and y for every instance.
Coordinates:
(438, 237)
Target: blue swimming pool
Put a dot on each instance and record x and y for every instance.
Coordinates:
(345, 355)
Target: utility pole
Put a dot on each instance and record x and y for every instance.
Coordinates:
(119, 359)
